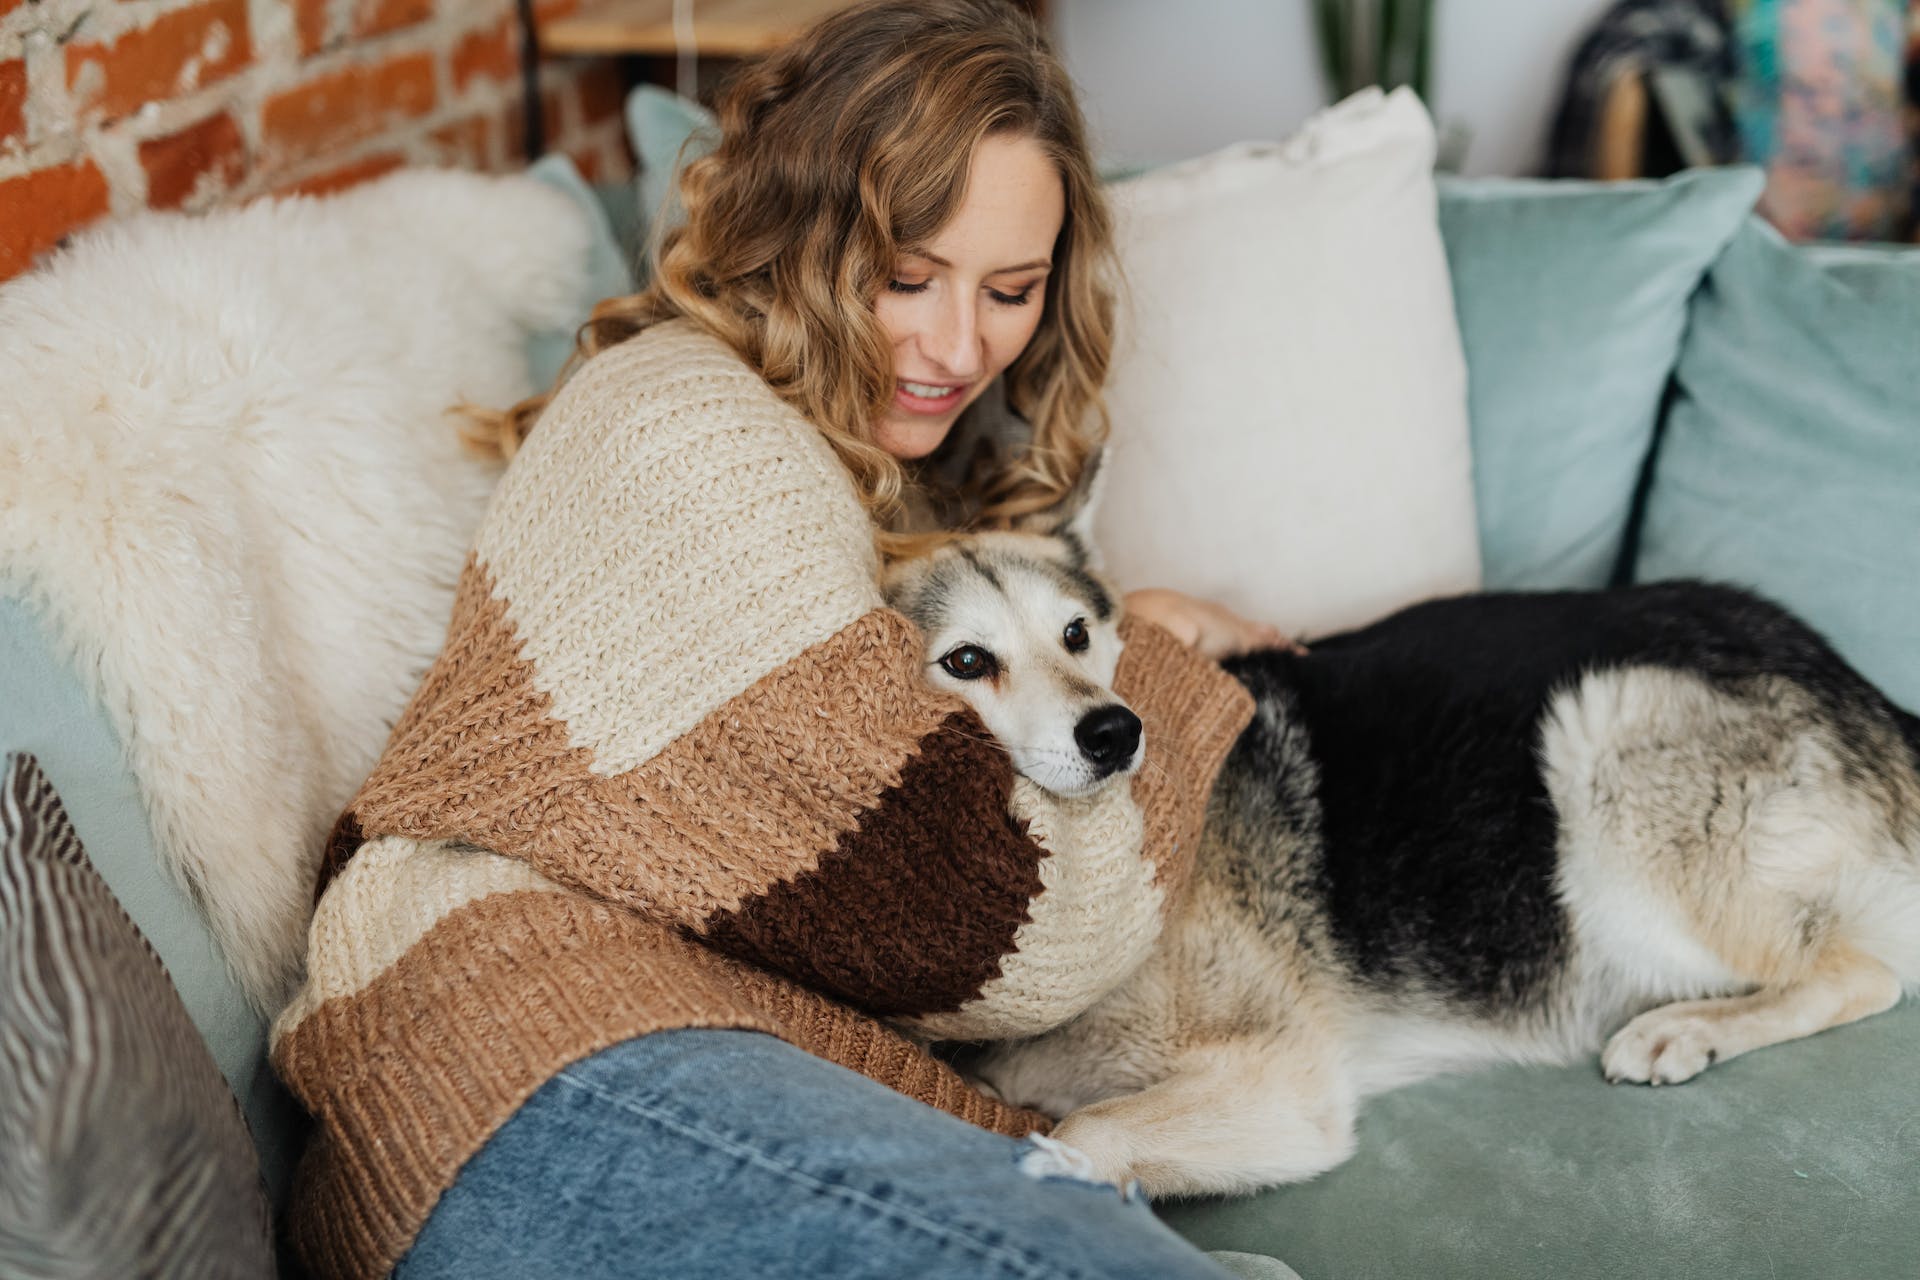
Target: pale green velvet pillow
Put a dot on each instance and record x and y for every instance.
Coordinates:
(1790, 461)
(666, 130)
(1572, 298)
(608, 271)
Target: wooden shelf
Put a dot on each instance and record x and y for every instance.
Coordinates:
(721, 28)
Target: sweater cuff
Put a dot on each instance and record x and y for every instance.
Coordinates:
(1192, 712)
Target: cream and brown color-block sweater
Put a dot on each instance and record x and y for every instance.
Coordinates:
(677, 767)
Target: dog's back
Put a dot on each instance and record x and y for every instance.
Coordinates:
(1440, 737)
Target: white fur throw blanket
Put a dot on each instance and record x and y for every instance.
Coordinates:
(230, 484)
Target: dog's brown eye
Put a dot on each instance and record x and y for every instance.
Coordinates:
(969, 662)
(1075, 636)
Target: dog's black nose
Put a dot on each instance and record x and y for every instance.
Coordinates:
(1108, 736)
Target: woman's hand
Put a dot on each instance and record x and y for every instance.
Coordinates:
(1213, 629)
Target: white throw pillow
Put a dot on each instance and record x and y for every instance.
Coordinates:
(1288, 393)
(230, 484)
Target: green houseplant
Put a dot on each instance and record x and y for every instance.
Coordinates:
(1369, 42)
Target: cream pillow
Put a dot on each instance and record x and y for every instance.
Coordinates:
(1288, 393)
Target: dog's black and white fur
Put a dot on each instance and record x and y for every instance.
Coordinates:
(1665, 822)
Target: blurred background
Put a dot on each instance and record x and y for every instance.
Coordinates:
(1164, 81)
(107, 106)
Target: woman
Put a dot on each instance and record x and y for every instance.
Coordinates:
(676, 768)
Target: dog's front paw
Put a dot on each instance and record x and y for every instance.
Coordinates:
(1105, 1154)
(1660, 1047)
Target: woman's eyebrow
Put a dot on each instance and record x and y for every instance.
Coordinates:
(939, 261)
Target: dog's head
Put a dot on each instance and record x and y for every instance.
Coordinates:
(1022, 626)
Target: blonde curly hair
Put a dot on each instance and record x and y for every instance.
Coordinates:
(837, 151)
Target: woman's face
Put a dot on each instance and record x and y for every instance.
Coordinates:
(963, 306)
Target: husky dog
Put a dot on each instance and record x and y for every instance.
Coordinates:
(1019, 626)
(1667, 820)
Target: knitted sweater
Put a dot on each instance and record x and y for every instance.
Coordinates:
(677, 766)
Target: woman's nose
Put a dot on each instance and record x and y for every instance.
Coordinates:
(954, 340)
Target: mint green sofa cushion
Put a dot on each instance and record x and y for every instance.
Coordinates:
(1801, 1160)
(1790, 460)
(45, 712)
(1572, 298)
(609, 255)
(666, 130)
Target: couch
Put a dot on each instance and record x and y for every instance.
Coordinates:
(1658, 386)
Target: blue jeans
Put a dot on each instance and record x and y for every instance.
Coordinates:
(697, 1154)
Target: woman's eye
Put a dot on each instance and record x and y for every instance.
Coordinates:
(1076, 636)
(968, 662)
(901, 286)
(1019, 299)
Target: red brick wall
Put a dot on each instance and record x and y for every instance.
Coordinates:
(109, 106)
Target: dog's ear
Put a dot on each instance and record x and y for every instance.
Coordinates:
(896, 579)
(1072, 516)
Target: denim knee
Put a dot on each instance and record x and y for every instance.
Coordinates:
(697, 1154)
